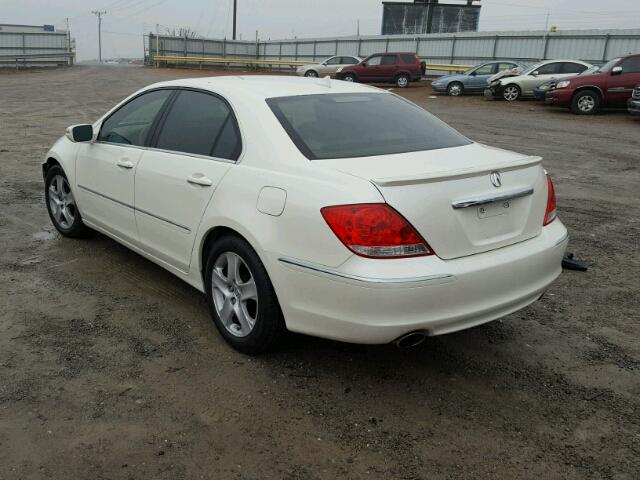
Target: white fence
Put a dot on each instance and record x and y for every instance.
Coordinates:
(34, 48)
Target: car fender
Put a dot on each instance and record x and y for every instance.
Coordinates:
(64, 152)
(296, 230)
(589, 87)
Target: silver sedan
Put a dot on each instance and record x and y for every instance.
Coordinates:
(327, 67)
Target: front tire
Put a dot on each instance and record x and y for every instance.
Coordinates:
(61, 204)
(349, 77)
(241, 298)
(511, 93)
(402, 81)
(455, 89)
(311, 73)
(586, 102)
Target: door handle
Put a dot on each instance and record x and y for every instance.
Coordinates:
(124, 163)
(199, 179)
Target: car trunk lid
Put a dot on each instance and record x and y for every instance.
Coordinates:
(450, 195)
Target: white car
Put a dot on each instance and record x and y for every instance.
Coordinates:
(328, 208)
(327, 67)
(512, 85)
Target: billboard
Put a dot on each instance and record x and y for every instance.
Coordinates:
(399, 18)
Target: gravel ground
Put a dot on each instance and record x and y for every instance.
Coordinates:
(111, 368)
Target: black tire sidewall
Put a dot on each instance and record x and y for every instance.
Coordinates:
(269, 325)
(574, 102)
(402, 75)
(77, 229)
(311, 73)
(350, 75)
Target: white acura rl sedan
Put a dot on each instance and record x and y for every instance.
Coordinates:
(316, 206)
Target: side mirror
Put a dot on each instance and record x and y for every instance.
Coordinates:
(617, 70)
(364, 64)
(80, 133)
(535, 73)
(473, 74)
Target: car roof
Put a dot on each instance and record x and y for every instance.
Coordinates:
(267, 86)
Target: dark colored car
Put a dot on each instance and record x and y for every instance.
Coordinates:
(611, 86)
(400, 68)
(633, 105)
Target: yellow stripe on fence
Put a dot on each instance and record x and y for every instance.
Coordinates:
(288, 63)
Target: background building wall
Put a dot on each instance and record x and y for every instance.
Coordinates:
(31, 45)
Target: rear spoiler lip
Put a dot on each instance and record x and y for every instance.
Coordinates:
(430, 177)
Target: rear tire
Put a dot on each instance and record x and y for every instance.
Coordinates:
(242, 301)
(349, 77)
(61, 204)
(511, 92)
(402, 80)
(455, 89)
(585, 102)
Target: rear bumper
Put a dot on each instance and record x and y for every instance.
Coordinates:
(633, 106)
(377, 301)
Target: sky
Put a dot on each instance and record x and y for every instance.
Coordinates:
(126, 20)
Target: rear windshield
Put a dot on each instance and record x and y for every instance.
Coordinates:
(347, 125)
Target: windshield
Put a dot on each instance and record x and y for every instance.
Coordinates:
(348, 125)
(533, 68)
(609, 65)
(591, 70)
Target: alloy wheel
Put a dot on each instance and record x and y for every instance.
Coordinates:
(510, 93)
(311, 73)
(455, 90)
(61, 202)
(349, 78)
(235, 295)
(586, 103)
(402, 81)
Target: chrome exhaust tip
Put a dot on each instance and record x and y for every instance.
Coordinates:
(410, 340)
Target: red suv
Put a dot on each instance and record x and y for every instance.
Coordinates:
(611, 86)
(399, 68)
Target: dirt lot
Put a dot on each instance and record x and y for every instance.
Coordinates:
(111, 368)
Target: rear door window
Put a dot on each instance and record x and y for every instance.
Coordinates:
(130, 124)
(202, 124)
(506, 66)
(342, 125)
(349, 61)
(549, 68)
(408, 58)
(388, 60)
(571, 67)
(334, 61)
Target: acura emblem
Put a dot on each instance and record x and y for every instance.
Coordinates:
(495, 178)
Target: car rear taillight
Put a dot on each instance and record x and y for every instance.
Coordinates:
(375, 230)
(550, 212)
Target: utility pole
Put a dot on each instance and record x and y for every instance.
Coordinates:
(235, 17)
(99, 13)
(157, 63)
(358, 28)
(69, 59)
(546, 23)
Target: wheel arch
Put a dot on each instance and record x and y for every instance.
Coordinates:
(216, 232)
(48, 163)
(582, 88)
